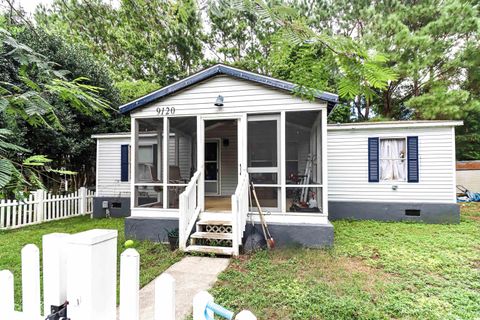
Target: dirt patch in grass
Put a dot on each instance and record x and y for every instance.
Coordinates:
(470, 210)
(476, 264)
(340, 272)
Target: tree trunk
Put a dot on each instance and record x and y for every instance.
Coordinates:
(367, 109)
(387, 103)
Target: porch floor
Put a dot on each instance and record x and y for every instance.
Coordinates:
(218, 204)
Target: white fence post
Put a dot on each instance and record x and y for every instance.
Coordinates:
(82, 193)
(200, 302)
(39, 201)
(54, 270)
(245, 315)
(31, 280)
(129, 285)
(165, 297)
(92, 275)
(7, 305)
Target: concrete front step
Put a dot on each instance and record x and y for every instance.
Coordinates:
(212, 235)
(227, 251)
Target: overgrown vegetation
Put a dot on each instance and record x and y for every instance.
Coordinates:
(154, 258)
(33, 91)
(375, 271)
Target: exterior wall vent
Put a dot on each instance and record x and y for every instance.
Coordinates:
(116, 204)
(412, 212)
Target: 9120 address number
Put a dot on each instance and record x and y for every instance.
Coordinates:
(165, 111)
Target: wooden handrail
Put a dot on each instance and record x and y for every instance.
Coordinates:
(188, 210)
(239, 211)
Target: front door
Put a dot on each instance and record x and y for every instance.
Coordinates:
(212, 167)
(210, 156)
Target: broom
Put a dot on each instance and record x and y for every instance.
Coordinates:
(266, 232)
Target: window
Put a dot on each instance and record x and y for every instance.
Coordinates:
(146, 163)
(392, 156)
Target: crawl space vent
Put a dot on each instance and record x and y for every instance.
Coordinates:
(412, 212)
(116, 204)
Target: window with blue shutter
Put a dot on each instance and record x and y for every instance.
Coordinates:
(412, 159)
(373, 161)
(124, 162)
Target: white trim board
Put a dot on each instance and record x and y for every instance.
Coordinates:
(392, 124)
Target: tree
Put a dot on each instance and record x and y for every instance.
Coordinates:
(32, 81)
(72, 148)
(238, 37)
(125, 37)
(468, 135)
(131, 90)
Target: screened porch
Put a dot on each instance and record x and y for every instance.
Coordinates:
(282, 154)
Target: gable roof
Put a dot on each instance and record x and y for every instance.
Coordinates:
(218, 69)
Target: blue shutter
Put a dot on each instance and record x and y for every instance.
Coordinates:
(124, 162)
(373, 161)
(412, 159)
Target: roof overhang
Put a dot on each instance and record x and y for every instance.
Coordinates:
(219, 69)
(394, 124)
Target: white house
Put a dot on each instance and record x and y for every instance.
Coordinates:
(195, 145)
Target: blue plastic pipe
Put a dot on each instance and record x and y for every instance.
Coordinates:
(218, 310)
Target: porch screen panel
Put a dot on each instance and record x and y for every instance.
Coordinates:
(303, 161)
(148, 164)
(181, 156)
(263, 159)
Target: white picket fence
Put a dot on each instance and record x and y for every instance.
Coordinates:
(82, 269)
(43, 206)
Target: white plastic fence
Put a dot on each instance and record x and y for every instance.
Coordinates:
(82, 269)
(42, 206)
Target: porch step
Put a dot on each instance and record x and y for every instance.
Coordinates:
(212, 235)
(227, 251)
(207, 215)
(214, 222)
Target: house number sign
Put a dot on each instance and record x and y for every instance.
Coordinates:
(165, 111)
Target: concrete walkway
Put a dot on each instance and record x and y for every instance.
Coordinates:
(191, 274)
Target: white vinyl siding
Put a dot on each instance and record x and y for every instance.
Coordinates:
(348, 166)
(470, 179)
(108, 168)
(184, 156)
(240, 96)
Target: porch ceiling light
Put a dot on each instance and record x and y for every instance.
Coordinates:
(219, 101)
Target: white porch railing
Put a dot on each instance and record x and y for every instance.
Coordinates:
(188, 210)
(239, 211)
(42, 206)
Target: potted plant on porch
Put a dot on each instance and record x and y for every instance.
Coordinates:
(172, 238)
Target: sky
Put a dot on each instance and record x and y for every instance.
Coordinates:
(30, 5)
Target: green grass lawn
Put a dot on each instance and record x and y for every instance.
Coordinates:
(375, 271)
(154, 258)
